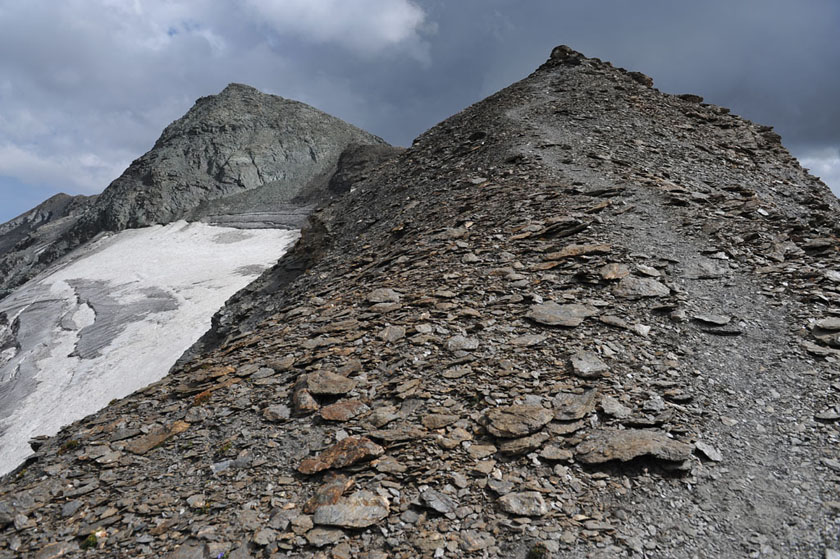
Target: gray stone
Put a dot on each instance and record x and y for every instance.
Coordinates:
(523, 445)
(320, 537)
(329, 384)
(587, 364)
(526, 503)
(277, 412)
(614, 271)
(438, 501)
(472, 540)
(359, 510)
(383, 295)
(632, 287)
(461, 343)
(69, 508)
(611, 444)
(552, 314)
(832, 324)
(556, 454)
(190, 549)
(528, 340)
(264, 536)
(196, 501)
(614, 408)
(713, 319)
(392, 333)
(568, 407)
(709, 451)
(516, 421)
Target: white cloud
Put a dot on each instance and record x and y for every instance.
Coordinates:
(824, 163)
(367, 26)
(84, 172)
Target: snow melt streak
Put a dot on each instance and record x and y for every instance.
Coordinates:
(115, 319)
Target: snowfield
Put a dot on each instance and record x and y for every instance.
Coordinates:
(113, 317)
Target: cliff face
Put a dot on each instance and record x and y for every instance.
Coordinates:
(581, 318)
(240, 158)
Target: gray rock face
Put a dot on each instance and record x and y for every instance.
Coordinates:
(240, 158)
(22, 238)
(238, 140)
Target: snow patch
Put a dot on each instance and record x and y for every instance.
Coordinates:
(115, 317)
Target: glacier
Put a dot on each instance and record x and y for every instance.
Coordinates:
(113, 317)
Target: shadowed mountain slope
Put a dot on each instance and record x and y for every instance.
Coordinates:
(582, 318)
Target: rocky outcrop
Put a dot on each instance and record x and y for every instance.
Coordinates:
(238, 140)
(23, 238)
(241, 158)
(504, 393)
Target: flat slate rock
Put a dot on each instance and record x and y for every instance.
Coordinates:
(329, 384)
(832, 324)
(144, 444)
(552, 314)
(632, 287)
(345, 452)
(570, 251)
(587, 365)
(614, 408)
(523, 445)
(438, 501)
(517, 420)
(568, 407)
(611, 444)
(359, 510)
(343, 410)
(713, 319)
(383, 295)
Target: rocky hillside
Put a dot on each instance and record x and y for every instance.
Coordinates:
(36, 229)
(582, 318)
(241, 158)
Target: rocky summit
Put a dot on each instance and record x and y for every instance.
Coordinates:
(581, 318)
(241, 158)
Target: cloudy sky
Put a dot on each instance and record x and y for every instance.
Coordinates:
(86, 86)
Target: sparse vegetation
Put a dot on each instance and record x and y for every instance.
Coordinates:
(90, 542)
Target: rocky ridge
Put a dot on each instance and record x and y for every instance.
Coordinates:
(240, 158)
(582, 318)
(40, 227)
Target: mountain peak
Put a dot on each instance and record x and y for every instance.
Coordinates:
(262, 150)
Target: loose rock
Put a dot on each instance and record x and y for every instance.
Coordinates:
(552, 314)
(610, 444)
(342, 454)
(516, 421)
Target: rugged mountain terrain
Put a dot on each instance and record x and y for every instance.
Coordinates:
(241, 158)
(114, 316)
(582, 318)
(34, 230)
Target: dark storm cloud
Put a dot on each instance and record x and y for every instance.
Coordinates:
(87, 85)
